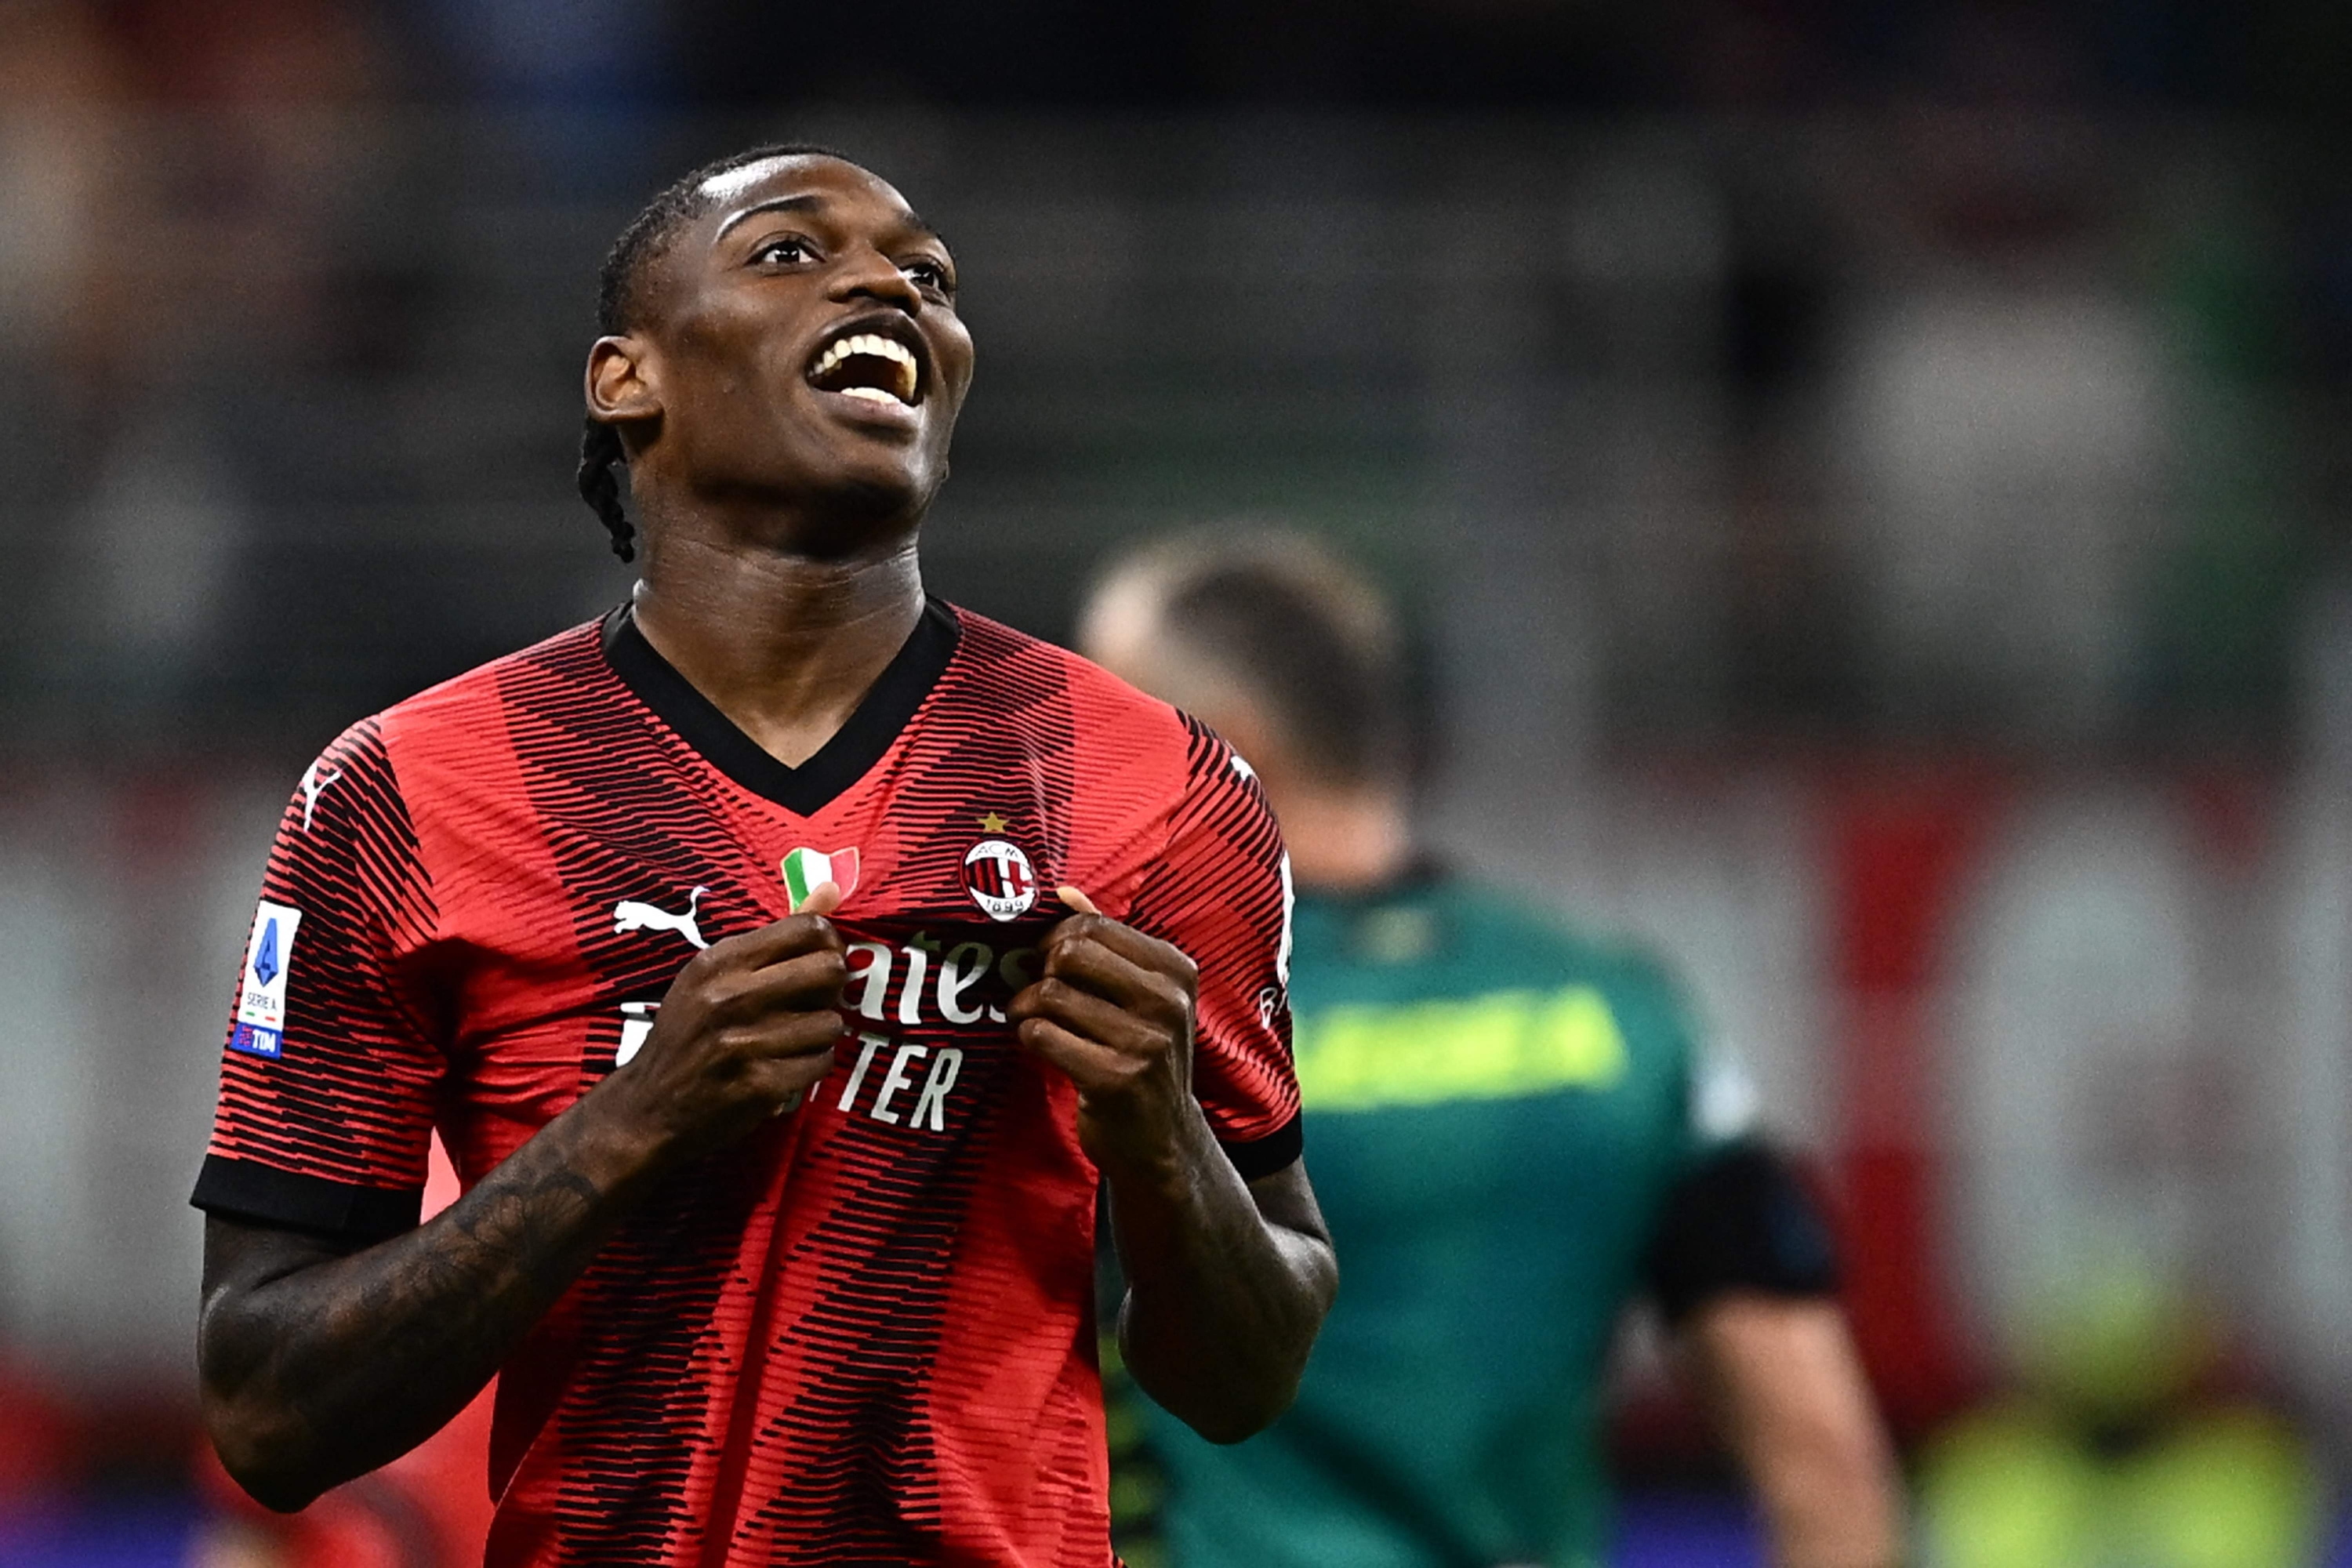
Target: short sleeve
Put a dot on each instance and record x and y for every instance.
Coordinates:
(330, 1074)
(1737, 1214)
(1221, 891)
(1716, 1104)
(1722, 1099)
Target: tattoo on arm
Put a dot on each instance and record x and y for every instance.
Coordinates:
(321, 1361)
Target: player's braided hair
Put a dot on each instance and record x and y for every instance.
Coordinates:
(620, 306)
(600, 449)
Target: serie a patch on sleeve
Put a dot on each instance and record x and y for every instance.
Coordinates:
(260, 1027)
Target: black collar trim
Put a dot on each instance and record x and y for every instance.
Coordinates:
(840, 763)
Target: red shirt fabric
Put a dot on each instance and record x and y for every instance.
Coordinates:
(865, 1335)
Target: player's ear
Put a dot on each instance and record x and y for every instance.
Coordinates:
(622, 385)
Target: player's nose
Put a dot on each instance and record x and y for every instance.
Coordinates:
(866, 273)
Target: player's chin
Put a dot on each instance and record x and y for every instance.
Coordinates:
(863, 470)
(862, 492)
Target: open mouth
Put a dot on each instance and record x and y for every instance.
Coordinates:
(869, 364)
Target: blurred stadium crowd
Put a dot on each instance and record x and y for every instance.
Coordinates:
(1869, 482)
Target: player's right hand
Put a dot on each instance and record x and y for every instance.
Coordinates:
(748, 1025)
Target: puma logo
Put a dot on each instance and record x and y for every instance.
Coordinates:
(314, 785)
(629, 915)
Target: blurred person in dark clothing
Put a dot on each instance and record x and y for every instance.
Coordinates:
(1518, 1129)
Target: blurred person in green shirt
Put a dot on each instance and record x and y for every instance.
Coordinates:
(1518, 1129)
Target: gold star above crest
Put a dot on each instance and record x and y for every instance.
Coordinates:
(993, 823)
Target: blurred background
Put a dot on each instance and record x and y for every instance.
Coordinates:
(1870, 479)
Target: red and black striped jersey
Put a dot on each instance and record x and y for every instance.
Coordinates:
(865, 1335)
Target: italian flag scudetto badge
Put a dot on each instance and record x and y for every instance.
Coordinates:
(806, 868)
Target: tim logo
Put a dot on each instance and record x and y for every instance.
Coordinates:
(629, 915)
(997, 876)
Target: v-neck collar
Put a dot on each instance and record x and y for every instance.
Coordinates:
(841, 762)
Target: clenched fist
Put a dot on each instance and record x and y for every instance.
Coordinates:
(1114, 1009)
(745, 1030)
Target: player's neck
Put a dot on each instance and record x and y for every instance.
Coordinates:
(783, 646)
(1344, 841)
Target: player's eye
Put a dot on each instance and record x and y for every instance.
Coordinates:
(784, 250)
(925, 273)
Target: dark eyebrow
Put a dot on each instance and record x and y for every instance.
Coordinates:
(813, 203)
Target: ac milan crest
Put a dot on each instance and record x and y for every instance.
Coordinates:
(997, 876)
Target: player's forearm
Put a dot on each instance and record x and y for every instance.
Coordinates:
(319, 1365)
(1830, 1504)
(318, 1368)
(1827, 1495)
(1792, 1403)
(1226, 1287)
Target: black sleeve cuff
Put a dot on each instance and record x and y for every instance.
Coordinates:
(240, 1189)
(1742, 1220)
(1277, 1151)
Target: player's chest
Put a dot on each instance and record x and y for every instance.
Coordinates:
(578, 892)
(946, 895)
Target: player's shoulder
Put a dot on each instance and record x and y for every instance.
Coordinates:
(1106, 722)
(467, 711)
(1139, 772)
(464, 699)
(1007, 656)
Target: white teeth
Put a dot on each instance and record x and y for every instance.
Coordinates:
(876, 346)
(875, 394)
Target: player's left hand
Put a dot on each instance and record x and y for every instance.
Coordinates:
(1114, 1010)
